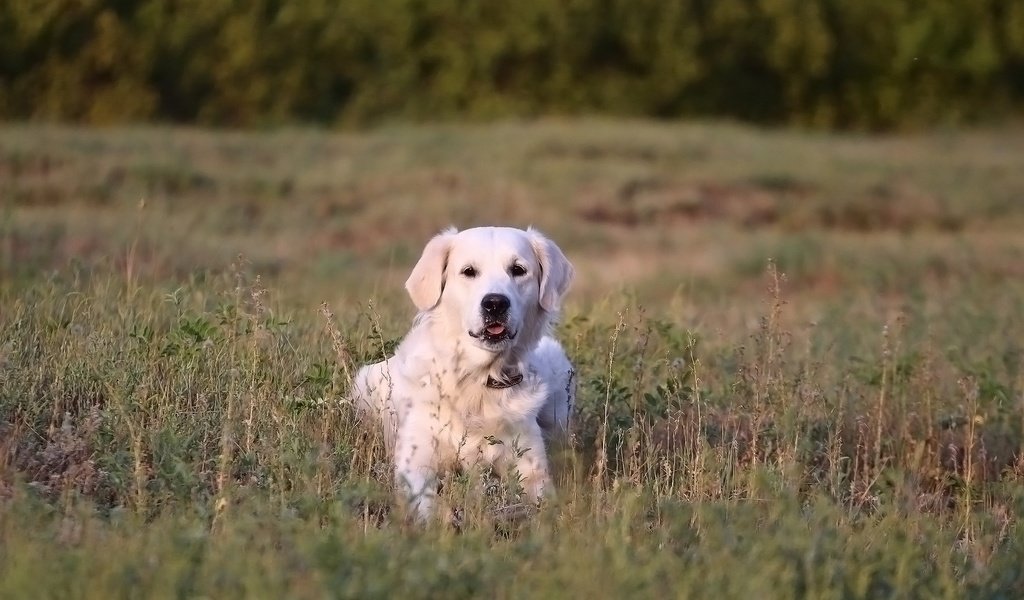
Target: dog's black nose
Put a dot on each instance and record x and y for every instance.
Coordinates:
(494, 305)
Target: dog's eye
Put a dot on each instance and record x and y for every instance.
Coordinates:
(517, 270)
(469, 272)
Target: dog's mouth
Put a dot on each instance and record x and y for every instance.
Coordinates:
(493, 333)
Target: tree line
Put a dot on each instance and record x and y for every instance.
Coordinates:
(856, 64)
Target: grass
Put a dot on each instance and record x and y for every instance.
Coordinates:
(800, 361)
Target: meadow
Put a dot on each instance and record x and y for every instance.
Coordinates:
(800, 356)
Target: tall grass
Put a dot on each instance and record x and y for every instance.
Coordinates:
(195, 441)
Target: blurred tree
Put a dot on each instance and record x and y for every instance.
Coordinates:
(73, 59)
(823, 63)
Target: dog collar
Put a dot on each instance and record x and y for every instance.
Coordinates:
(505, 382)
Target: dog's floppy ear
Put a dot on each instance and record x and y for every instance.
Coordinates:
(427, 278)
(556, 271)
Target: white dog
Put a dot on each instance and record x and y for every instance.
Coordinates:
(478, 380)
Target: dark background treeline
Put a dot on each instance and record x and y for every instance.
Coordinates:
(825, 63)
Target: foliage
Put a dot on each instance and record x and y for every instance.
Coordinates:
(827, 63)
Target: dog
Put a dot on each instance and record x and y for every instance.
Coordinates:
(478, 380)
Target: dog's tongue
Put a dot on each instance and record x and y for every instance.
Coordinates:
(496, 329)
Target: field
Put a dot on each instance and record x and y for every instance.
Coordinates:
(801, 361)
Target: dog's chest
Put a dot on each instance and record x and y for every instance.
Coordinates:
(486, 424)
(483, 411)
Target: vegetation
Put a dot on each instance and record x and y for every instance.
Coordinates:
(800, 361)
(822, 63)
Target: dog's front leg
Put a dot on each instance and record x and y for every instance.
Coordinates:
(416, 471)
(531, 462)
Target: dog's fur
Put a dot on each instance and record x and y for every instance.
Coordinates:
(440, 400)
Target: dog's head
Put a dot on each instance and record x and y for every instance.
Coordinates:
(500, 286)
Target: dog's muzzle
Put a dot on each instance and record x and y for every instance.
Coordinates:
(494, 312)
